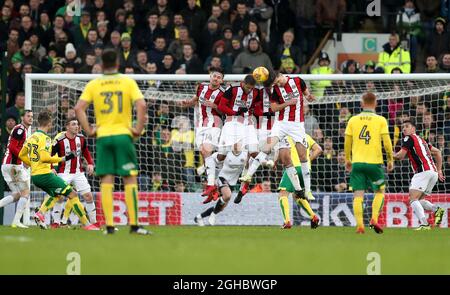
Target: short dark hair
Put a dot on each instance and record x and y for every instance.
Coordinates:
(410, 121)
(70, 119)
(44, 117)
(109, 58)
(271, 78)
(215, 69)
(249, 80)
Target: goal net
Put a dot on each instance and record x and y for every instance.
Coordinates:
(170, 184)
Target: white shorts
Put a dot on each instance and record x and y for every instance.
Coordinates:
(424, 181)
(78, 181)
(296, 130)
(263, 135)
(17, 177)
(236, 132)
(208, 135)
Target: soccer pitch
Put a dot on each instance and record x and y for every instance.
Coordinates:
(225, 250)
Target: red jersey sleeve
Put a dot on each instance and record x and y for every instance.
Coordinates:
(16, 141)
(86, 153)
(224, 104)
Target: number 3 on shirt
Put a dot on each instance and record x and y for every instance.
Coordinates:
(364, 134)
(109, 102)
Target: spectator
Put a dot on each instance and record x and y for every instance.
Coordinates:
(141, 66)
(15, 81)
(209, 36)
(43, 27)
(38, 50)
(158, 184)
(227, 37)
(194, 19)
(114, 42)
(190, 62)
(225, 7)
(178, 21)
(180, 187)
(251, 58)
(18, 109)
(219, 51)
(410, 26)
(159, 50)
(26, 29)
(241, 20)
(318, 87)
(394, 56)
(60, 44)
(438, 42)
(127, 55)
(183, 141)
(369, 67)
(5, 21)
(168, 66)
(161, 7)
(89, 62)
(329, 13)
(252, 31)
(12, 44)
(119, 18)
(288, 66)
(311, 122)
(237, 48)
(103, 32)
(80, 32)
(342, 175)
(148, 34)
(215, 62)
(89, 43)
(431, 65)
(287, 49)
(263, 187)
(444, 65)
(58, 27)
(11, 121)
(262, 13)
(176, 46)
(165, 28)
(25, 55)
(428, 128)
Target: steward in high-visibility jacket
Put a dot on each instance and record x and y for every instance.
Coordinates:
(393, 56)
(318, 87)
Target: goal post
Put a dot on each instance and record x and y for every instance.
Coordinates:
(169, 160)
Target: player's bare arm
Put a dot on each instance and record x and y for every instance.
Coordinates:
(309, 97)
(80, 111)
(316, 151)
(387, 143)
(437, 155)
(141, 114)
(348, 150)
(188, 102)
(400, 155)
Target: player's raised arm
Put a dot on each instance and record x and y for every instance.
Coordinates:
(80, 111)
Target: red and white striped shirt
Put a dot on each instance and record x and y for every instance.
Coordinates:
(419, 154)
(235, 98)
(64, 145)
(293, 89)
(207, 116)
(17, 138)
(264, 122)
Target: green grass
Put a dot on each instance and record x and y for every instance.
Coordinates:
(225, 250)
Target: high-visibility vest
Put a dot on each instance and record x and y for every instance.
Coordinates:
(399, 58)
(318, 87)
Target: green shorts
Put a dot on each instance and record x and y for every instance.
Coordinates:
(365, 176)
(116, 155)
(286, 184)
(52, 184)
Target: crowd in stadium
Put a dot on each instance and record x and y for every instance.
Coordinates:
(189, 37)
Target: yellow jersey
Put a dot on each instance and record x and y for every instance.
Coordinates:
(113, 96)
(366, 130)
(294, 155)
(36, 153)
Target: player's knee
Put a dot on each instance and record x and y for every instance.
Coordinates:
(88, 197)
